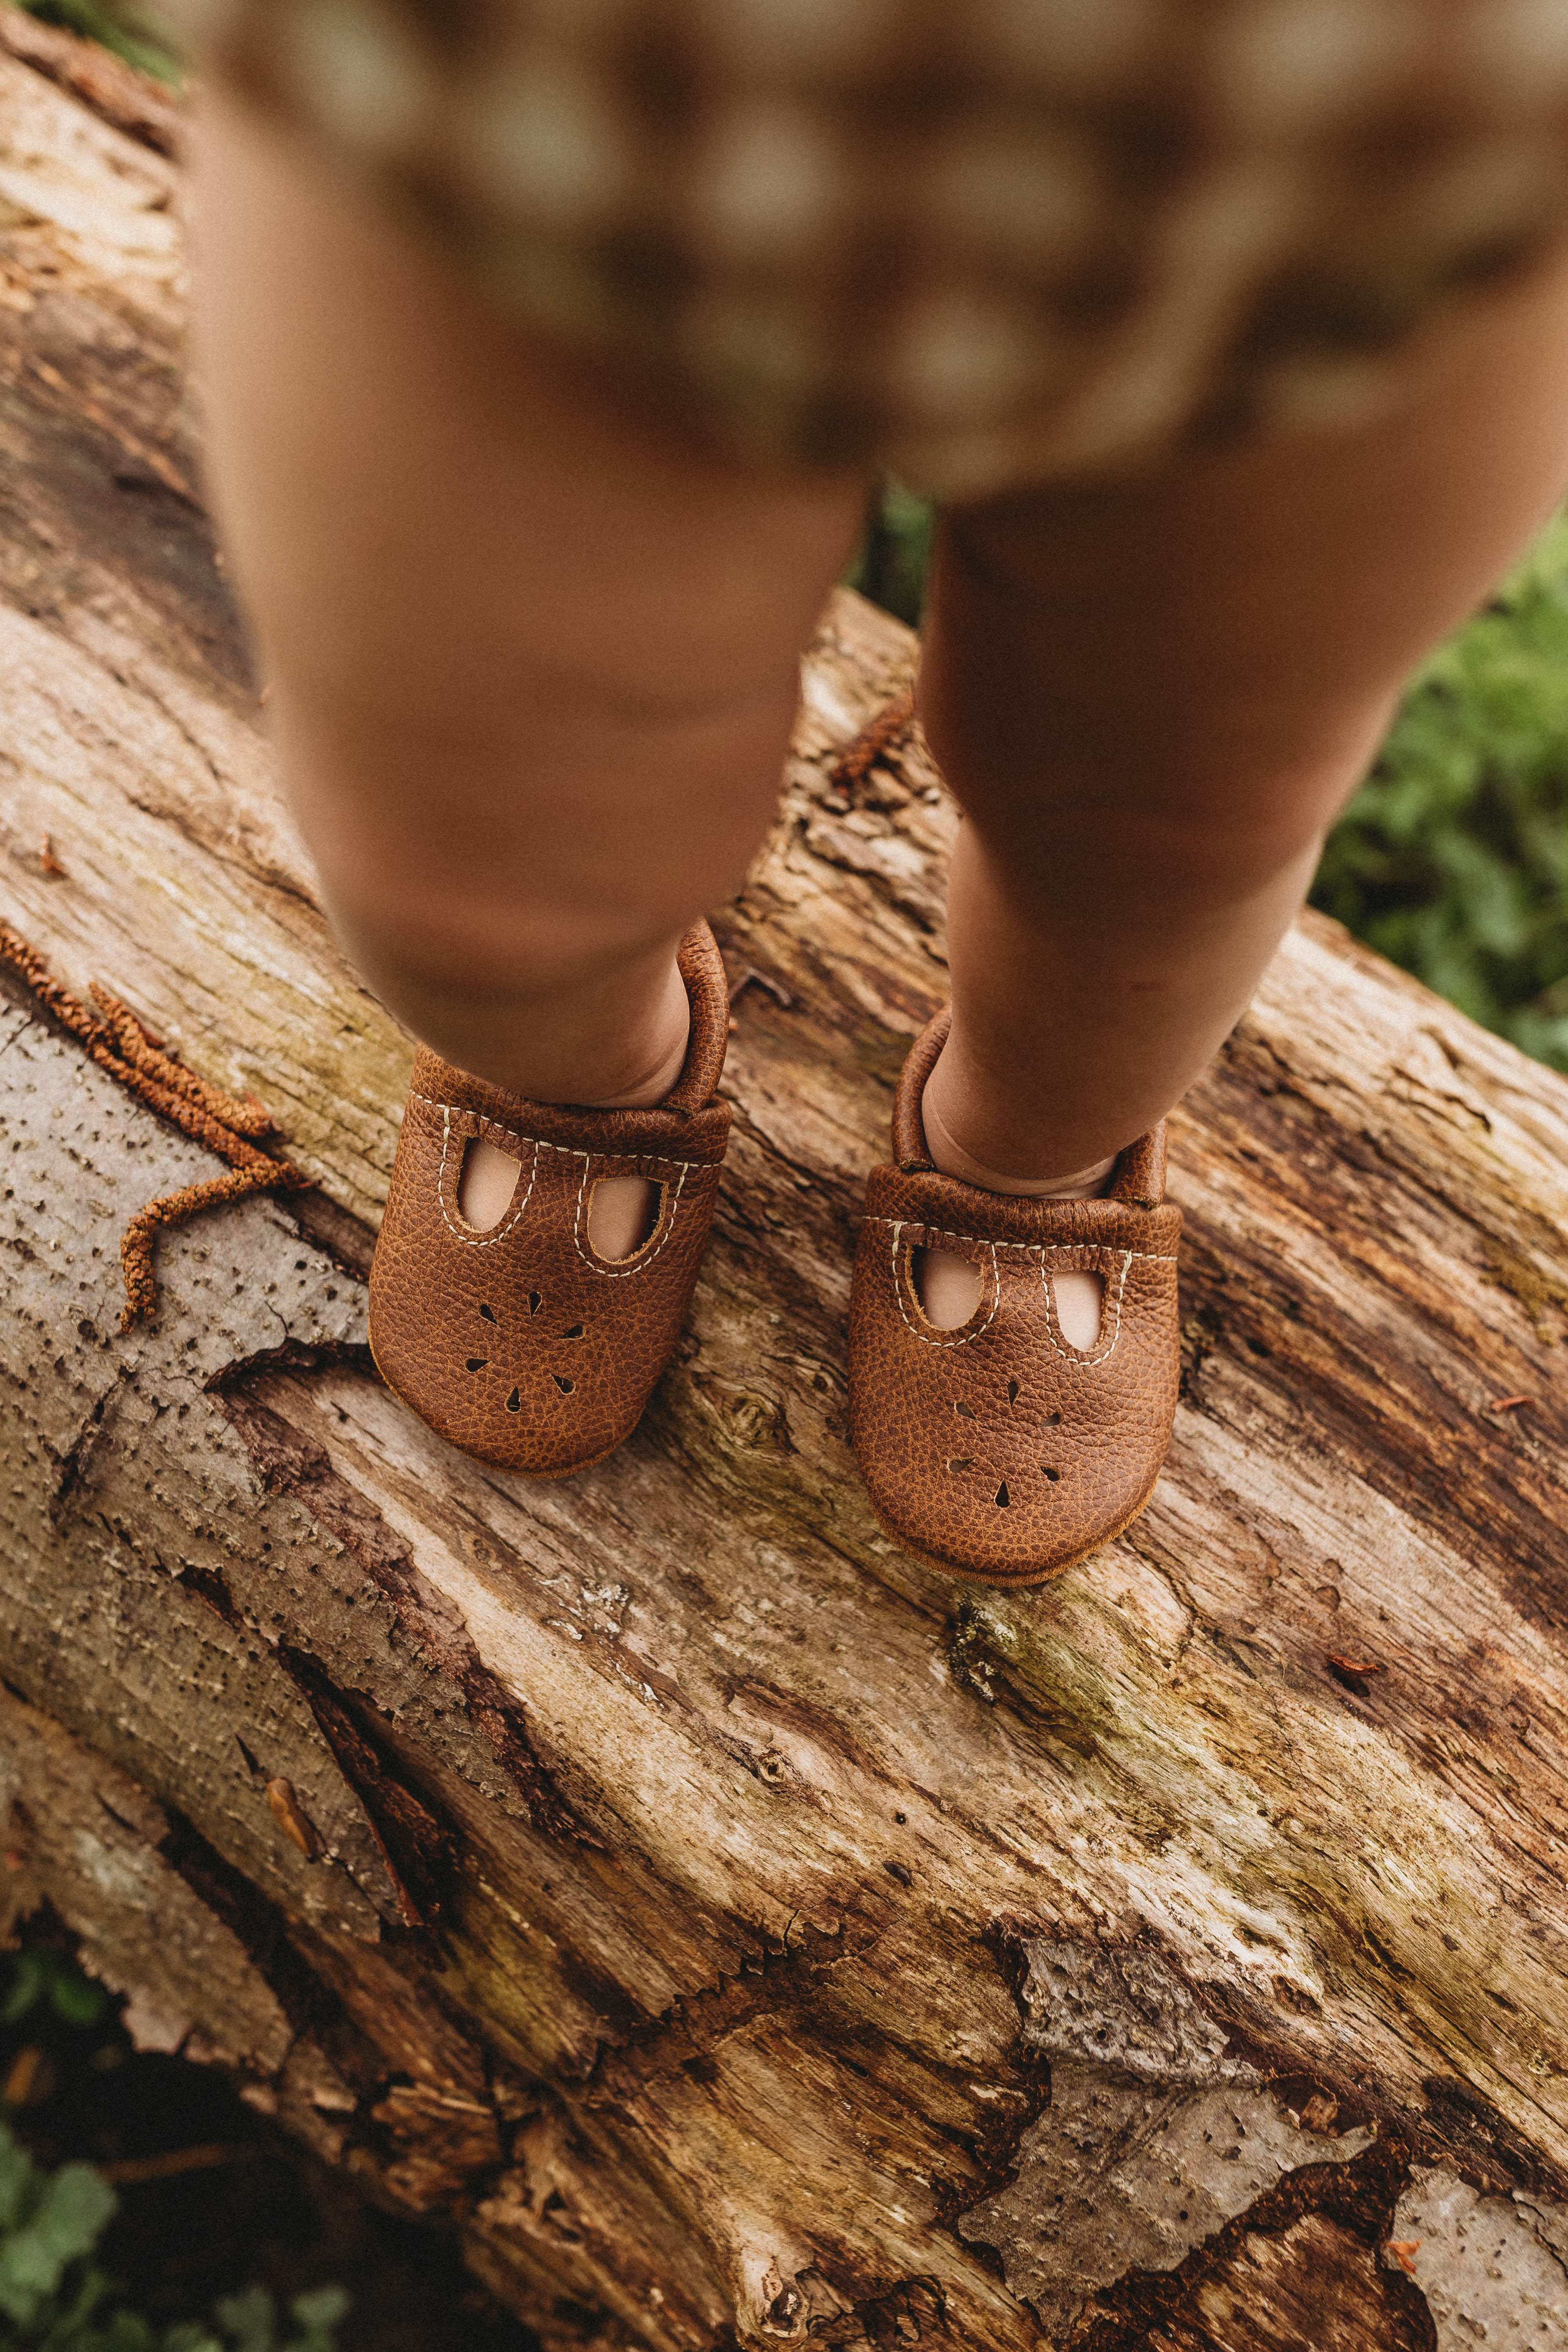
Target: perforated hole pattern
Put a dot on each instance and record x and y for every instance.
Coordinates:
(564, 1387)
(958, 1462)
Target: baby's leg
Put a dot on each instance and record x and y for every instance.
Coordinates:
(533, 659)
(1152, 699)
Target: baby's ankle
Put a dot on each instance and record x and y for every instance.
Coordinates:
(953, 1157)
(949, 1282)
(658, 1076)
(619, 1207)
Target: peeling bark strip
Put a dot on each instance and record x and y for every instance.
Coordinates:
(1493, 2271)
(1154, 2139)
(793, 1929)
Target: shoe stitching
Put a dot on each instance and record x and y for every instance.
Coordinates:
(1085, 1359)
(930, 1336)
(1077, 1361)
(567, 1151)
(645, 1257)
(466, 1234)
(1153, 1257)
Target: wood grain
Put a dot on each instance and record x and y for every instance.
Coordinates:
(690, 1865)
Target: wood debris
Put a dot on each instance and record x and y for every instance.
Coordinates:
(118, 1043)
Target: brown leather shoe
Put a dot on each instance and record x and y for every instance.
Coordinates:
(999, 1451)
(520, 1344)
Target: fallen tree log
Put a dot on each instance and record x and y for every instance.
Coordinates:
(746, 1935)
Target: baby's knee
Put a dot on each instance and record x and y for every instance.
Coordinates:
(505, 939)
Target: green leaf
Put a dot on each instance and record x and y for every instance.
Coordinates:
(1453, 858)
(19, 2181)
(75, 2210)
(319, 2313)
(28, 1979)
(323, 2307)
(76, 1999)
(69, 2330)
(129, 2333)
(250, 2320)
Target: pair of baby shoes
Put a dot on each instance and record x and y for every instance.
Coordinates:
(998, 1451)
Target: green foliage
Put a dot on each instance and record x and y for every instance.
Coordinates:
(55, 2298)
(123, 28)
(43, 1976)
(892, 562)
(1453, 858)
(49, 2223)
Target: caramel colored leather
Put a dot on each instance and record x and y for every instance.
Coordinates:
(520, 1344)
(999, 1451)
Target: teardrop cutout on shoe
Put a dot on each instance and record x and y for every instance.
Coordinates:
(1080, 1298)
(623, 1211)
(487, 1184)
(947, 1286)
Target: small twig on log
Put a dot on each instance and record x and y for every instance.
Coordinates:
(873, 742)
(293, 1820)
(1510, 1404)
(110, 1033)
(128, 2170)
(22, 2079)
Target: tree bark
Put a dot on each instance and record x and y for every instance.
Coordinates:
(745, 1934)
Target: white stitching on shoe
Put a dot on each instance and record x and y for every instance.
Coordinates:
(644, 1258)
(1154, 1257)
(1085, 1359)
(931, 1337)
(567, 1151)
(472, 1240)
(1077, 1361)
(466, 1234)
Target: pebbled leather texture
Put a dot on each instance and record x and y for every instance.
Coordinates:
(999, 1451)
(521, 1345)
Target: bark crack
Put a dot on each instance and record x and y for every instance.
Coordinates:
(288, 1464)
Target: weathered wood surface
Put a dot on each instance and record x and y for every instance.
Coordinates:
(749, 1935)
